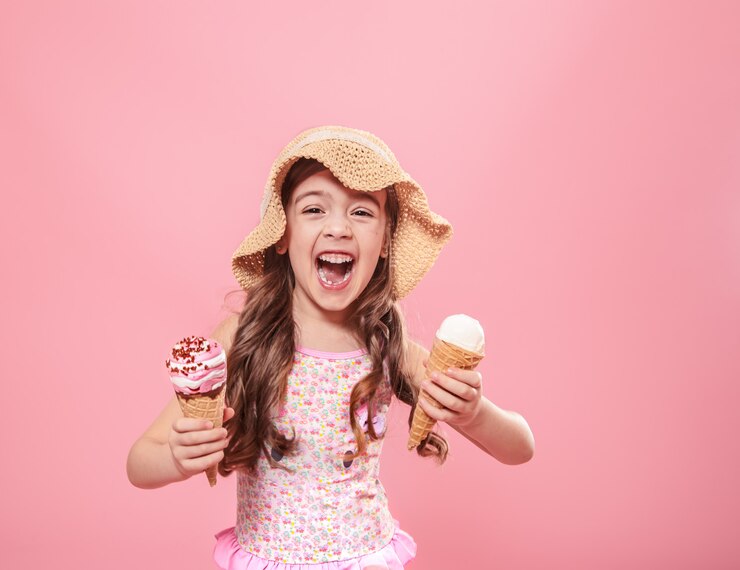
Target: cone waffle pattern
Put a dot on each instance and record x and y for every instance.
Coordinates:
(443, 356)
(209, 406)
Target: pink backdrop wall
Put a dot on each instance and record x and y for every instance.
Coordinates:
(588, 155)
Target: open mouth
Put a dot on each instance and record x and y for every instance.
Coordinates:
(334, 269)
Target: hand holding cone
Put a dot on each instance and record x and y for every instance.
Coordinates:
(459, 344)
(209, 406)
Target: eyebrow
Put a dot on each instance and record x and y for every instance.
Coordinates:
(321, 193)
(308, 193)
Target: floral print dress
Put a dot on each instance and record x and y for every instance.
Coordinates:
(328, 510)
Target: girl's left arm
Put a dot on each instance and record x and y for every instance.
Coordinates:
(503, 434)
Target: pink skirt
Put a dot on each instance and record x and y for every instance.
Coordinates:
(230, 555)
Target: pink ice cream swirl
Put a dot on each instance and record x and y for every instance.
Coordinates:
(197, 366)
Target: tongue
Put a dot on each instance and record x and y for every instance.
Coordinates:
(334, 271)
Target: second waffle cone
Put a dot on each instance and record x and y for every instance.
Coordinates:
(443, 356)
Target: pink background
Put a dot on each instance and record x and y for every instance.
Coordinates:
(588, 155)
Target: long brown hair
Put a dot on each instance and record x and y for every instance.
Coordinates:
(263, 349)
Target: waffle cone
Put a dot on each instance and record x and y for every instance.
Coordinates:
(208, 406)
(443, 356)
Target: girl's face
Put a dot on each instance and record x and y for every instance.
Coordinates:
(334, 238)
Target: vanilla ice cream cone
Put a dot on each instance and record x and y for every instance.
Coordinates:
(456, 330)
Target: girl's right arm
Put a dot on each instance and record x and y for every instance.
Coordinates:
(175, 448)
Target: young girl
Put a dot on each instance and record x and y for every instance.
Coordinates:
(313, 361)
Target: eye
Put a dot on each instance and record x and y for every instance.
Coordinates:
(362, 212)
(312, 210)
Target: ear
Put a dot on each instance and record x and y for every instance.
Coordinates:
(384, 250)
(280, 247)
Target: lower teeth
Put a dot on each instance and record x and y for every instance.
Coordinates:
(326, 280)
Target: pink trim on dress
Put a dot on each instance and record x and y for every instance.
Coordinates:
(331, 355)
(229, 555)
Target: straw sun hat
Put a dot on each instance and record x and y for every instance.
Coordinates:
(360, 161)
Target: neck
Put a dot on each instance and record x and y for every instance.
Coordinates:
(320, 333)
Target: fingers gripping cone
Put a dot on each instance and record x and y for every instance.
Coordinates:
(443, 356)
(462, 347)
(208, 406)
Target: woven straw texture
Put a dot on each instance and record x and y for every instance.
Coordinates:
(443, 356)
(208, 406)
(360, 161)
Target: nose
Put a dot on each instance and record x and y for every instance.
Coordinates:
(337, 226)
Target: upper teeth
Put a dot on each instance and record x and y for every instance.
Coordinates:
(335, 258)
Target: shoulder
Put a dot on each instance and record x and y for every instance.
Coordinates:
(225, 330)
(416, 357)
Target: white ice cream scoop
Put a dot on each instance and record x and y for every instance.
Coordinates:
(462, 331)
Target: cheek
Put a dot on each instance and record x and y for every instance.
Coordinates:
(296, 237)
(372, 245)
